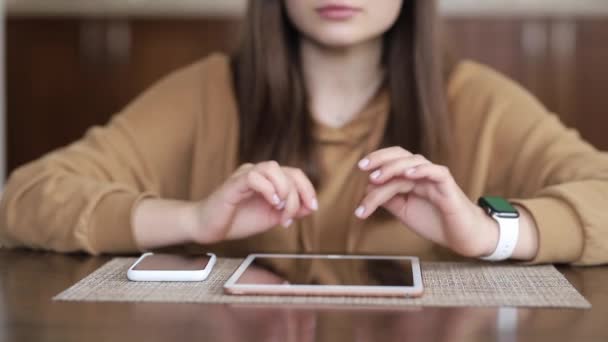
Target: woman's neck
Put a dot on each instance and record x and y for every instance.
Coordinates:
(340, 82)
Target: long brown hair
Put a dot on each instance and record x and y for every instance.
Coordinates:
(275, 123)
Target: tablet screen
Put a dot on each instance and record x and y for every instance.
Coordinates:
(330, 271)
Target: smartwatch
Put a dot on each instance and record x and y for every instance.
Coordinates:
(508, 221)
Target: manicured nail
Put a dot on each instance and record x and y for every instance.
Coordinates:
(276, 200)
(314, 204)
(287, 223)
(376, 174)
(360, 211)
(281, 205)
(410, 171)
(363, 163)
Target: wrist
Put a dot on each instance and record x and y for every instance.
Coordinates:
(527, 246)
(198, 223)
(189, 222)
(161, 223)
(490, 233)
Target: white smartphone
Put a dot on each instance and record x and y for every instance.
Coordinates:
(171, 267)
(346, 275)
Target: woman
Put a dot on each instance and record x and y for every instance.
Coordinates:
(335, 120)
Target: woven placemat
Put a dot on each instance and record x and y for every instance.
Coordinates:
(445, 284)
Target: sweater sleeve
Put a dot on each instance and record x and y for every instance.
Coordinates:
(80, 197)
(547, 168)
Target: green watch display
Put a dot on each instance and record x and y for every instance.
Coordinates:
(498, 206)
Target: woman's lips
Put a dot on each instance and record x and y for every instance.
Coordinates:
(337, 12)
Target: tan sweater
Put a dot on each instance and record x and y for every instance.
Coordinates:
(179, 140)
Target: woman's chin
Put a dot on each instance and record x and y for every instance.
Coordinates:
(342, 41)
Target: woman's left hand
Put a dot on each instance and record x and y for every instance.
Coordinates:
(425, 197)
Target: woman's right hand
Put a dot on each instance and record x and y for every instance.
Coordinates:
(256, 198)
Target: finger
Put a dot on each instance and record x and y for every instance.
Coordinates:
(378, 158)
(303, 212)
(274, 173)
(304, 187)
(396, 205)
(432, 172)
(237, 176)
(242, 169)
(292, 205)
(444, 185)
(396, 168)
(260, 184)
(382, 194)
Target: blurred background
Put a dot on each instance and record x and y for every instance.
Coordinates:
(71, 64)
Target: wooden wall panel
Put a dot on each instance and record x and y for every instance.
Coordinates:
(591, 81)
(62, 78)
(562, 61)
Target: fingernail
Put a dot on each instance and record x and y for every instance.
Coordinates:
(287, 223)
(376, 174)
(276, 200)
(360, 211)
(410, 171)
(281, 205)
(314, 204)
(363, 163)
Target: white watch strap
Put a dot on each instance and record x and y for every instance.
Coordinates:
(507, 239)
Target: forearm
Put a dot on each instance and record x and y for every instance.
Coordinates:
(161, 223)
(48, 205)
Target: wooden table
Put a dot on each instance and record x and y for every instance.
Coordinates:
(28, 281)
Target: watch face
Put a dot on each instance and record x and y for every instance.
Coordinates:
(499, 206)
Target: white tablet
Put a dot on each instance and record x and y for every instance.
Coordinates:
(339, 275)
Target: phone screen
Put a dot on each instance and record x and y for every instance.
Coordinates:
(336, 271)
(172, 262)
